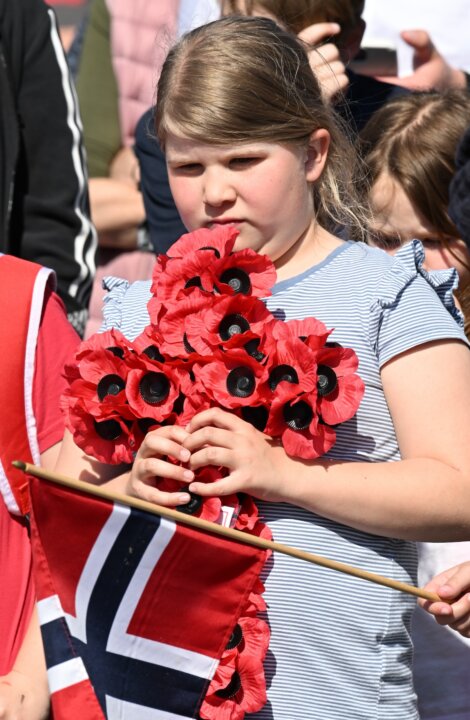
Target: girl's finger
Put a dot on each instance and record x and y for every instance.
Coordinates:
(219, 488)
(209, 435)
(212, 455)
(147, 469)
(159, 497)
(161, 445)
(217, 418)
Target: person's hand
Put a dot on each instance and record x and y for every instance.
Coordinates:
(125, 167)
(21, 698)
(325, 60)
(256, 465)
(431, 70)
(453, 586)
(151, 461)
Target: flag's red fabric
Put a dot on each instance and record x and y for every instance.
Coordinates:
(142, 607)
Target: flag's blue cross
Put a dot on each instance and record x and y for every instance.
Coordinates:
(124, 678)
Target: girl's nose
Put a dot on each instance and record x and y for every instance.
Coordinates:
(217, 188)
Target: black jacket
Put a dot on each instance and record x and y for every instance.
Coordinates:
(44, 208)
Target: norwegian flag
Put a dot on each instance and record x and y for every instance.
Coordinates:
(135, 610)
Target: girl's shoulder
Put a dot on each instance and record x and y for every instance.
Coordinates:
(125, 306)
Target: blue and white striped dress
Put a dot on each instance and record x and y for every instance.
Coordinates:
(340, 647)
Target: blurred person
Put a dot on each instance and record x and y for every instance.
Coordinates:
(44, 211)
(37, 340)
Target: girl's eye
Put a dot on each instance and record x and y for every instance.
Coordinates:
(188, 169)
(243, 161)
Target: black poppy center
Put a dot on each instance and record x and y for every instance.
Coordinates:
(256, 416)
(235, 638)
(110, 385)
(232, 688)
(326, 380)
(252, 349)
(108, 429)
(241, 382)
(237, 279)
(298, 416)
(233, 325)
(280, 373)
(154, 388)
(194, 282)
(117, 351)
(191, 507)
(154, 353)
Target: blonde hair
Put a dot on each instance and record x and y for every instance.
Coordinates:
(414, 139)
(296, 15)
(245, 79)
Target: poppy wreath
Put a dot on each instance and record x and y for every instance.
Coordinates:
(212, 342)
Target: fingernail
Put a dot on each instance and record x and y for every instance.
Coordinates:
(188, 474)
(185, 455)
(336, 27)
(184, 498)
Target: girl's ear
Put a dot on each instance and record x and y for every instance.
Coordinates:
(317, 152)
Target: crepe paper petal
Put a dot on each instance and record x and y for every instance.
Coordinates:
(245, 272)
(292, 363)
(173, 326)
(308, 327)
(176, 274)
(153, 389)
(219, 241)
(343, 402)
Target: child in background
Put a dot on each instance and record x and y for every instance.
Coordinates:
(281, 173)
(410, 147)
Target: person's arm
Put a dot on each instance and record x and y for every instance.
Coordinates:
(51, 183)
(425, 496)
(24, 693)
(453, 586)
(431, 69)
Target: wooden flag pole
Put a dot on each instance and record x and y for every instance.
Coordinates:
(206, 526)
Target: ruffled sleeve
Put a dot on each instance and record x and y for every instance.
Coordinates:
(413, 306)
(125, 306)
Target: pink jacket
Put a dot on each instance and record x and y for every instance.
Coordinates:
(142, 32)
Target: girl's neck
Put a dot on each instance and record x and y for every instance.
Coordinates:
(312, 247)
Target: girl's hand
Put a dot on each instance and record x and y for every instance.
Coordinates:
(256, 465)
(453, 586)
(150, 462)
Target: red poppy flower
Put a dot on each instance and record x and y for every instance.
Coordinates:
(153, 387)
(149, 343)
(172, 275)
(226, 316)
(239, 685)
(256, 603)
(248, 514)
(340, 389)
(111, 340)
(232, 379)
(245, 272)
(303, 329)
(107, 438)
(208, 508)
(219, 240)
(292, 364)
(297, 423)
(173, 324)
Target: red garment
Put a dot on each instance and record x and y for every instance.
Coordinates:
(55, 343)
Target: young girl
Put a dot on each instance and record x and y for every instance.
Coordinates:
(249, 143)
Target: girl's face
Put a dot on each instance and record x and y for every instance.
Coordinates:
(260, 188)
(397, 221)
